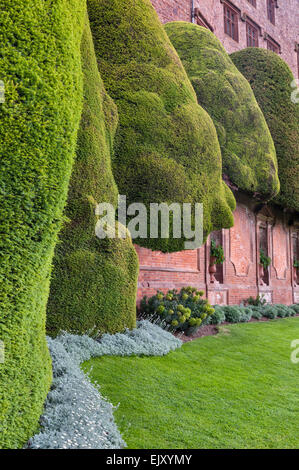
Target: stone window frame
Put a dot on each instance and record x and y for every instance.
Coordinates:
(252, 2)
(201, 20)
(231, 23)
(272, 45)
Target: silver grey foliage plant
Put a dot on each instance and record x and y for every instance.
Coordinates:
(76, 415)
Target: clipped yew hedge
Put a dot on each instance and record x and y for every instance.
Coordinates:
(41, 71)
(248, 153)
(166, 146)
(94, 281)
(271, 79)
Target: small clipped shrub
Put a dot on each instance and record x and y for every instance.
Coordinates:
(166, 145)
(282, 311)
(270, 311)
(248, 153)
(237, 314)
(94, 281)
(183, 310)
(240, 314)
(295, 309)
(256, 312)
(274, 311)
(271, 78)
(217, 317)
(76, 416)
(39, 120)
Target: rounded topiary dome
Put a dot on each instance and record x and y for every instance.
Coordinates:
(271, 80)
(166, 146)
(248, 152)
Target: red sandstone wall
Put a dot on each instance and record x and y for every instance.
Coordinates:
(281, 267)
(285, 31)
(170, 271)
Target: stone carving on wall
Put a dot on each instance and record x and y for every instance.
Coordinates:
(267, 296)
(218, 297)
(241, 241)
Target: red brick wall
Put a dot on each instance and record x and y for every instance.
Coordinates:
(170, 271)
(285, 31)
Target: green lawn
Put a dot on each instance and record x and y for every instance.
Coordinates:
(238, 389)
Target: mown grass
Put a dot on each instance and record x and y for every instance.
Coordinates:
(238, 389)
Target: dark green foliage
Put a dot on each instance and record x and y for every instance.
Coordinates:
(256, 314)
(271, 79)
(276, 311)
(217, 252)
(41, 71)
(184, 311)
(166, 147)
(284, 311)
(269, 311)
(239, 314)
(94, 281)
(248, 152)
(272, 311)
